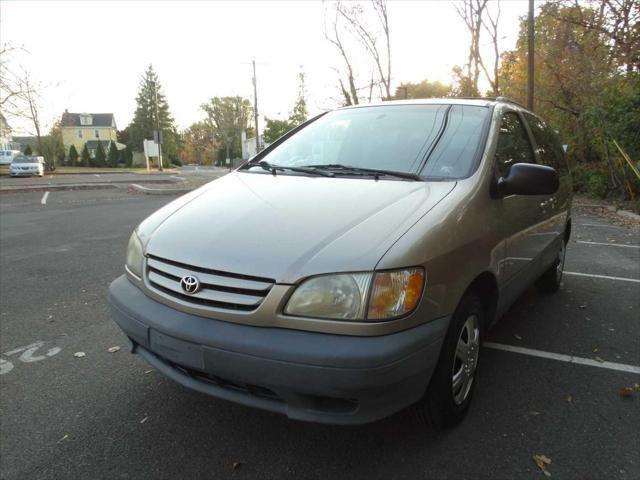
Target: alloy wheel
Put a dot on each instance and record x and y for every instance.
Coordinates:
(465, 359)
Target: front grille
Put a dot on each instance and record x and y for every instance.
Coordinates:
(217, 289)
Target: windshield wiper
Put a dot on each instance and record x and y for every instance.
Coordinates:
(273, 168)
(367, 171)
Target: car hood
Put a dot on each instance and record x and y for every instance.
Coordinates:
(287, 227)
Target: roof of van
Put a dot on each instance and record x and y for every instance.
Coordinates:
(483, 102)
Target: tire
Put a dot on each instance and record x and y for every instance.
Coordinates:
(443, 405)
(550, 280)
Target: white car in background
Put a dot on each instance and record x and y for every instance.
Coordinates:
(7, 156)
(27, 166)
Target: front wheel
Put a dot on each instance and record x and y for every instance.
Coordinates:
(550, 280)
(450, 390)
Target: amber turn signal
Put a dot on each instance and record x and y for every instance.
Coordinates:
(395, 293)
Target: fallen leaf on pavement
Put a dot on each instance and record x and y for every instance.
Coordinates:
(113, 349)
(569, 398)
(79, 354)
(626, 391)
(542, 461)
(517, 337)
(236, 465)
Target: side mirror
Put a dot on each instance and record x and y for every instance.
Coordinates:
(529, 179)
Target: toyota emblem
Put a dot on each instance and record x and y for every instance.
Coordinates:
(190, 284)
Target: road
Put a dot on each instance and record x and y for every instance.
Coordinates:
(176, 175)
(109, 415)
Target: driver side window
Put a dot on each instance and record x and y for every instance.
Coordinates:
(513, 144)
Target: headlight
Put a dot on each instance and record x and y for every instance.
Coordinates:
(341, 296)
(134, 255)
(344, 296)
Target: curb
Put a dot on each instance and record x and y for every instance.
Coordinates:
(53, 188)
(628, 215)
(134, 187)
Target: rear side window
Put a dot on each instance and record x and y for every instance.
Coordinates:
(549, 148)
(513, 144)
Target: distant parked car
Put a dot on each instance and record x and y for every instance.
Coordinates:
(27, 166)
(7, 156)
(356, 263)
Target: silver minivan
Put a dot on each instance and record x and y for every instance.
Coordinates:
(352, 268)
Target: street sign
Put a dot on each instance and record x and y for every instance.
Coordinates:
(155, 137)
(150, 148)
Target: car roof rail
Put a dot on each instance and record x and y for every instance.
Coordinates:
(509, 100)
(493, 99)
(490, 99)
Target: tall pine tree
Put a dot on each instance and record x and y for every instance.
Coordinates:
(101, 155)
(73, 156)
(85, 158)
(299, 114)
(113, 156)
(144, 119)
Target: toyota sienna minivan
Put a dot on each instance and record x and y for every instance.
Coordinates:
(352, 268)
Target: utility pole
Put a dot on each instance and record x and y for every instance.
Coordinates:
(255, 104)
(530, 73)
(158, 134)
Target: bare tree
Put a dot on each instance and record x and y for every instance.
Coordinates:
(477, 17)
(472, 12)
(492, 29)
(355, 17)
(335, 38)
(11, 84)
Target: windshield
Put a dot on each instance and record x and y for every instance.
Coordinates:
(397, 138)
(24, 160)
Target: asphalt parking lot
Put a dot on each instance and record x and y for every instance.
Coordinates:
(549, 382)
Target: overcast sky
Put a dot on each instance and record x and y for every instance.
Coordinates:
(92, 54)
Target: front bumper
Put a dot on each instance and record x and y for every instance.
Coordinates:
(309, 376)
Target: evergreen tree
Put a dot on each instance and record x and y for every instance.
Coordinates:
(85, 158)
(101, 156)
(128, 156)
(299, 114)
(112, 158)
(73, 156)
(28, 151)
(144, 120)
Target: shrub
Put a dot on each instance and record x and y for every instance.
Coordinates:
(176, 161)
(85, 157)
(590, 179)
(101, 156)
(73, 156)
(112, 157)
